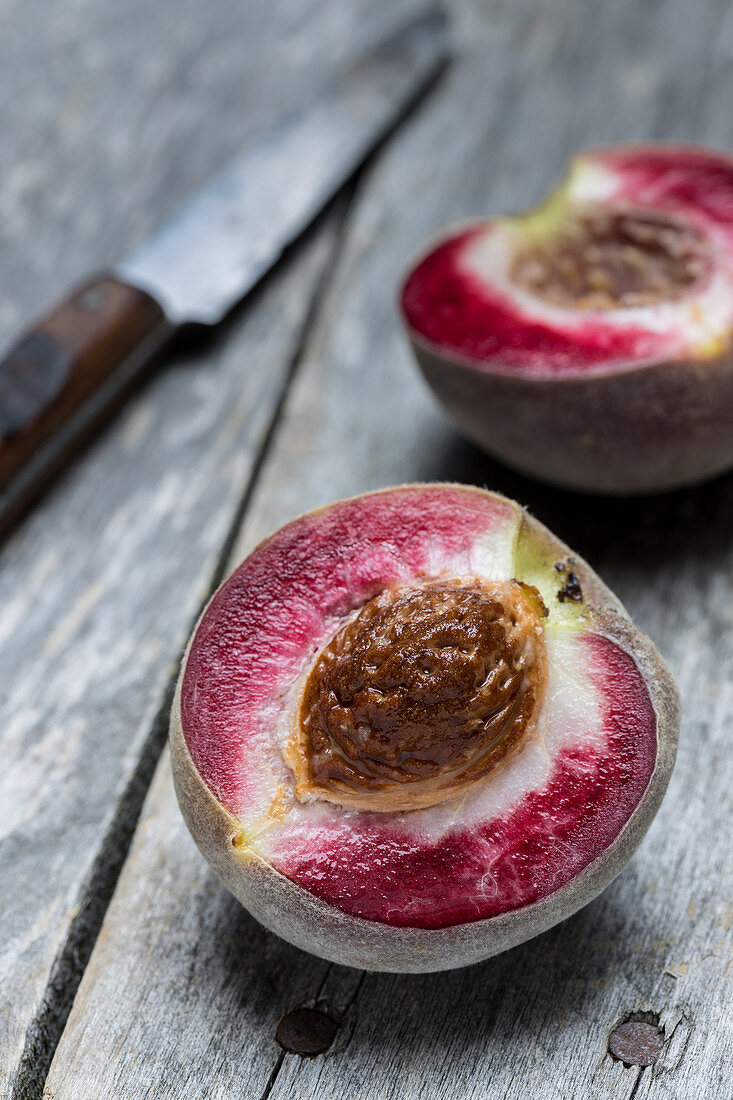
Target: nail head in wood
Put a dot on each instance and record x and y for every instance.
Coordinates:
(636, 1043)
(306, 1031)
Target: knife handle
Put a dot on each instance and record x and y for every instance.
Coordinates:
(67, 359)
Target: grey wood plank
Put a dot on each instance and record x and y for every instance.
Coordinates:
(110, 117)
(538, 80)
(223, 999)
(97, 594)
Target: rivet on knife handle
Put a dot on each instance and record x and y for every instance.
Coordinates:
(68, 355)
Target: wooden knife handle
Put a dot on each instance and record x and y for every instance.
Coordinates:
(66, 358)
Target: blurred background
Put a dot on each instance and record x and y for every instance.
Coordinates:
(115, 112)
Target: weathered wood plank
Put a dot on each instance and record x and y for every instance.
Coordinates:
(98, 592)
(223, 999)
(99, 587)
(540, 80)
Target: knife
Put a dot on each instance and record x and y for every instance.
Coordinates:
(72, 364)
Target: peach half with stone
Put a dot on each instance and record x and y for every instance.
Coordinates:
(589, 342)
(412, 729)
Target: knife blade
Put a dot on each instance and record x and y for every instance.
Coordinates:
(72, 364)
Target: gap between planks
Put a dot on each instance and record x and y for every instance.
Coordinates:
(319, 1002)
(45, 1031)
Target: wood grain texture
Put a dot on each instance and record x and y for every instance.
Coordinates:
(98, 593)
(223, 999)
(183, 992)
(99, 587)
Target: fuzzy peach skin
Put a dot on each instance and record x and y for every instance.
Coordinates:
(622, 401)
(454, 883)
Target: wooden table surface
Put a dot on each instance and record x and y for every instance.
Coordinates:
(125, 969)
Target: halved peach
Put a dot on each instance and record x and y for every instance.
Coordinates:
(412, 730)
(588, 343)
